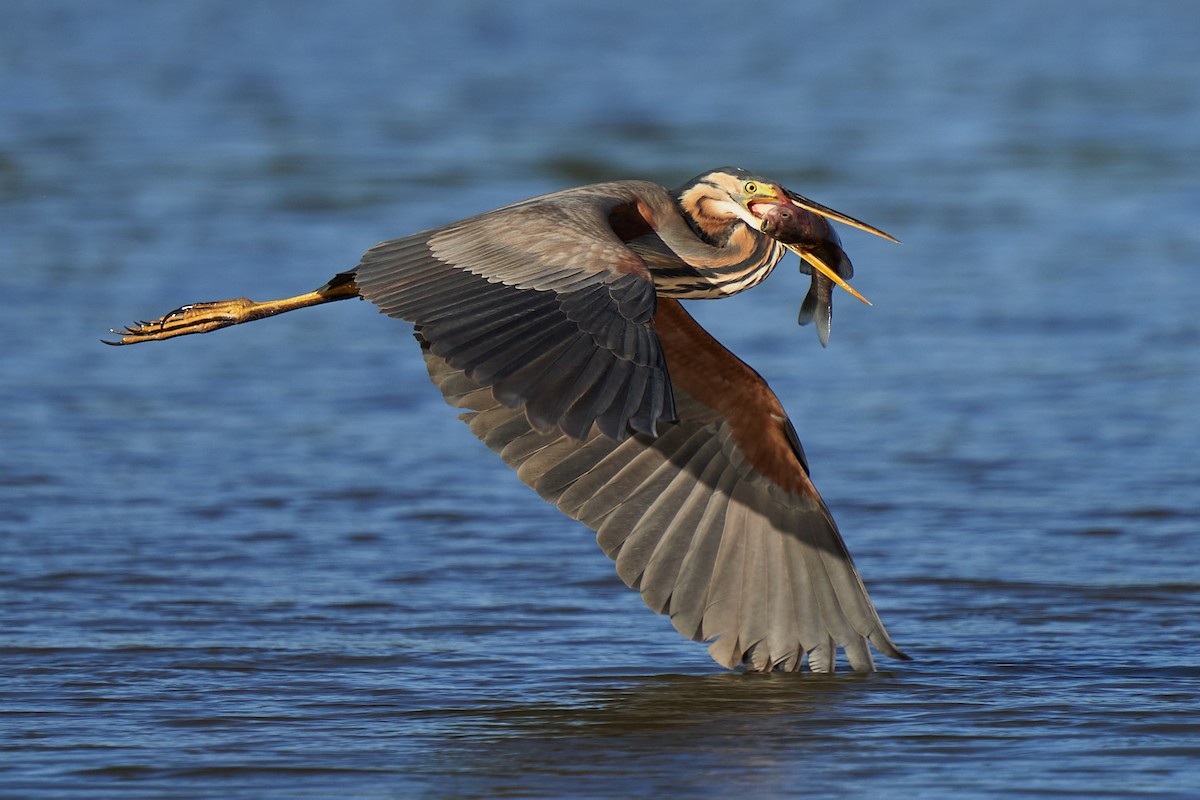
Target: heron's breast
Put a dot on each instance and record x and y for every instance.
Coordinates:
(689, 281)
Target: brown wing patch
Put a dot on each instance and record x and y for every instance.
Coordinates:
(699, 364)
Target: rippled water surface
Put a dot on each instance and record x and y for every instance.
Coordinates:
(271, 563)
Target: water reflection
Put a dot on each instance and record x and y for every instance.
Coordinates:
(726, 703)
(666, 733)
(620, 738)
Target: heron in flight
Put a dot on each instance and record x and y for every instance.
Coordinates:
(556, 324)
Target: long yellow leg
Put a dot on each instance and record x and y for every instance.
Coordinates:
(205, 317)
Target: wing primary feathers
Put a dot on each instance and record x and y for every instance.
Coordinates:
(785, 638)
(630, 480)
(632, 532)
(661, 574)
(689, 598)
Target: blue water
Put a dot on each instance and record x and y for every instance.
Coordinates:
(270, 562)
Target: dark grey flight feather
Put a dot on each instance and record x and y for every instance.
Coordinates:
(563, 329)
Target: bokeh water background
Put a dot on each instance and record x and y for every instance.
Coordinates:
(270, 562)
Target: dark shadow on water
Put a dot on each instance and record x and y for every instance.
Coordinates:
(671, 734)
(681, 735)
(672, 703)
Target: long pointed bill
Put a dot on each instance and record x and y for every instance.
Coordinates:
(826, 211)
(826, 270)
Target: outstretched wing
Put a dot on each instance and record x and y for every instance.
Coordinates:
(543, 303)
(714, 521)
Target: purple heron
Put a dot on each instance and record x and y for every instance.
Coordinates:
(556, 324)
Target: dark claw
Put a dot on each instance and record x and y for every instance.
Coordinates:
(118, 333)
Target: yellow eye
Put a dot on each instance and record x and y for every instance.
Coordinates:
(750, 187)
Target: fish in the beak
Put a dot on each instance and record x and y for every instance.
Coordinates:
(810, 236)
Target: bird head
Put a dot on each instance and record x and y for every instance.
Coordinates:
(717, 200)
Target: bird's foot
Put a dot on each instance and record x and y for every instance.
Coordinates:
(192, 318)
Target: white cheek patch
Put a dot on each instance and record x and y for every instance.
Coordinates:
(732, 209)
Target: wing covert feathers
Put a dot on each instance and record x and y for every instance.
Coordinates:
(540, 302)
(714, 521)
